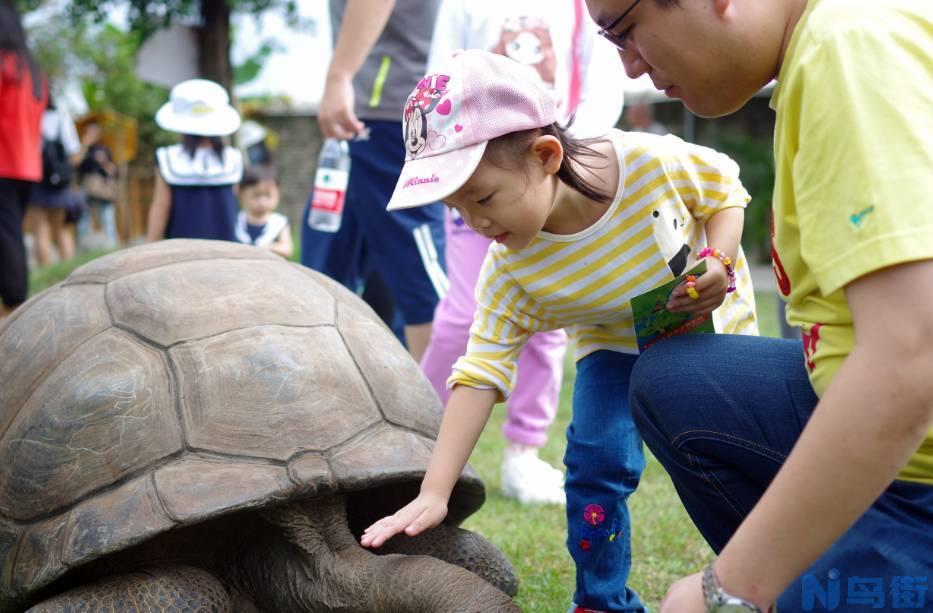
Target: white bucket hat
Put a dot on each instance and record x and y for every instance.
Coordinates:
(198, 107)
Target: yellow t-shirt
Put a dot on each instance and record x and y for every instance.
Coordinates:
(583, 282)
(853, 147)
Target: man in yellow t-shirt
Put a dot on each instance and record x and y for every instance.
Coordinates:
(808, 470)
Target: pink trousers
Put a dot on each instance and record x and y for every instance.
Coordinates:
(533, 403)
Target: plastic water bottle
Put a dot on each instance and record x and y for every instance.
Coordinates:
(330, 186)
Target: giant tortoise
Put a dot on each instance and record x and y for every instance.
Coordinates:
(202, 426)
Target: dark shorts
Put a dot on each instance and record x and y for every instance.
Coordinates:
(405, 247)
(51, 198)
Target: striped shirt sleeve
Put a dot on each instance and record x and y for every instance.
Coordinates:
(706, 180)
(501, 327)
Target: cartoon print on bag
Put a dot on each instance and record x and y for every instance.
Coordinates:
(427, 97)
(527, 40)
(670, 236)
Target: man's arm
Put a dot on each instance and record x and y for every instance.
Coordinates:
(872, 418)
(363, 22)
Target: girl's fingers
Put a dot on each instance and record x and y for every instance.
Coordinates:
(405, 519)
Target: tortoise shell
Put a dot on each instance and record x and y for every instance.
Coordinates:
(167, 384)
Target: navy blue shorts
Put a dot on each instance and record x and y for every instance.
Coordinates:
(405, 247)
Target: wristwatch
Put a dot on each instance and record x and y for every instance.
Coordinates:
(720, 601)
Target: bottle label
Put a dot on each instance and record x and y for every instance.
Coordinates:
(330, 187)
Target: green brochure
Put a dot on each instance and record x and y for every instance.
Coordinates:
(654, 323)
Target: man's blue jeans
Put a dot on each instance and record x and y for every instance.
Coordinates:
(604, 462)
(721, 413)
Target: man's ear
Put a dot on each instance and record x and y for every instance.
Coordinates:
(547, 151)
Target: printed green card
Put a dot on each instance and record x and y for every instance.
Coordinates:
(654, 323)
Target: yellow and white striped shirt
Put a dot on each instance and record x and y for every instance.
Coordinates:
(650, 233)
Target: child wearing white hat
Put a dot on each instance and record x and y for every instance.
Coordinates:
(194, 189)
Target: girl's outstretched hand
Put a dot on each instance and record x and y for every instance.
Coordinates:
(711, 286)
(422, 513)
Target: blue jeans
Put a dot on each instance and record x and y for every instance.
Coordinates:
(604, 462)
(721, 413)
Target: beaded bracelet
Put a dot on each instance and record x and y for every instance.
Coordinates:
(726, 261)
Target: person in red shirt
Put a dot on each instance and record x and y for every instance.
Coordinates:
(23, 95)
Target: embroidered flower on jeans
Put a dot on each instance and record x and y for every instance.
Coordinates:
(585, 544)
(593, 514)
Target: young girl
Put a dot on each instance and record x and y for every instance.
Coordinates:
(258, 224)
(194, 190)
(581, 226)
(557, 40)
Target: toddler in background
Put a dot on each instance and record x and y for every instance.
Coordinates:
(257, 223)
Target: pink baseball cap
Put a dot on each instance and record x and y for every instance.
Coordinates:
(451, 115)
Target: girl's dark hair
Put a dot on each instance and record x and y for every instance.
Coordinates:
(13, 43)
(256, 173)
(191, 141)
(504, 150)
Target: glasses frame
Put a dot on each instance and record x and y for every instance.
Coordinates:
(617, 40)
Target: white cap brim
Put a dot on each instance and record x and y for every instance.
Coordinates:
(220, 122)
(431, 179)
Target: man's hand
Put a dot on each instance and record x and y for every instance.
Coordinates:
(335, 116)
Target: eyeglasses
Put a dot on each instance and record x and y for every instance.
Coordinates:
(618, 39)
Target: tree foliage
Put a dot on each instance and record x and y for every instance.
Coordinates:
(82, 45)
(102, 60)
(211, 19)
(146, 16)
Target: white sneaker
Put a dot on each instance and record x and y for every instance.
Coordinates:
(531, 480)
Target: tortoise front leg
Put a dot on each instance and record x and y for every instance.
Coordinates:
(335, 574)
(459, 547)
(169, 589)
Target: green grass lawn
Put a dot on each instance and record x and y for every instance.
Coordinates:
(665, 545)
